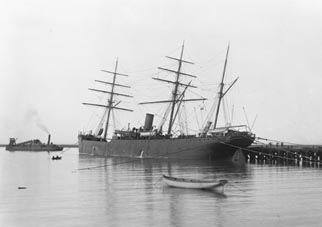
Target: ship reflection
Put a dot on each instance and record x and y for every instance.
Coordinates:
(136, 184)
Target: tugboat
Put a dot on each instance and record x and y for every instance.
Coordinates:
(212, 143)
(32, 145)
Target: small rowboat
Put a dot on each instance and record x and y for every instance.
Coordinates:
(193, 183)
(56, 157)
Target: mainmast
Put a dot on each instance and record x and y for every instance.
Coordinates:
(110, 105)
(175, 91)
(176, 98)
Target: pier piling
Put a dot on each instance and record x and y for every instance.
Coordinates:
(280, 153)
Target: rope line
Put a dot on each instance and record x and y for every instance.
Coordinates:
(155, 183)
(231, 184)
(67, 149)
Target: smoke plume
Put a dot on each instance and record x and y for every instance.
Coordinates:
(32, 116)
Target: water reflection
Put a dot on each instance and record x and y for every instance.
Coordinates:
(131, 182)
(122, 192)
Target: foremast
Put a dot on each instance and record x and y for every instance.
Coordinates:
(175, 91)
(111, 105)
(177, 98)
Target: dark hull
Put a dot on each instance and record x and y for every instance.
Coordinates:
(212, 148)
(34, 148)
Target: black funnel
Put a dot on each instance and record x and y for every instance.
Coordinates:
(48, 139)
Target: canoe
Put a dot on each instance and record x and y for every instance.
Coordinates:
(193, 183)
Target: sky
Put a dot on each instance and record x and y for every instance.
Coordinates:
(52, 51)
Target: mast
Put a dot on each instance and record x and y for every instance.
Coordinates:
(221, 89)
(110, 104)
(176, 98)
(175, 92)
(110, 101)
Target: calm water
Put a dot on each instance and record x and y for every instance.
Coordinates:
(132, 194)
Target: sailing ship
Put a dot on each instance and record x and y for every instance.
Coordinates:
(211, 143)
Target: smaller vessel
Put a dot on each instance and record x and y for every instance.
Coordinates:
(193, 183)
(32, 145)
(56, 157)
(22, 187)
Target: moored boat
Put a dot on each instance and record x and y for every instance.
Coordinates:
(193, 183)
(32, 145)
(56, 157)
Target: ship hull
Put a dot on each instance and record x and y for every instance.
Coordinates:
(212, 148)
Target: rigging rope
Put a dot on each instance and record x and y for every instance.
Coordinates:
(63, 151)
(101, 122)
(231, 184)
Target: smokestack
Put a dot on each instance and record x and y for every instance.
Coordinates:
(148, 121)
(48, 139)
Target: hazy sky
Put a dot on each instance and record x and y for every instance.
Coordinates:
(52, 51)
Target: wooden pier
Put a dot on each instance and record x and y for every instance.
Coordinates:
(284, 153)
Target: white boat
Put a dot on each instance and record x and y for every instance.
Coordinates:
(193, 183)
